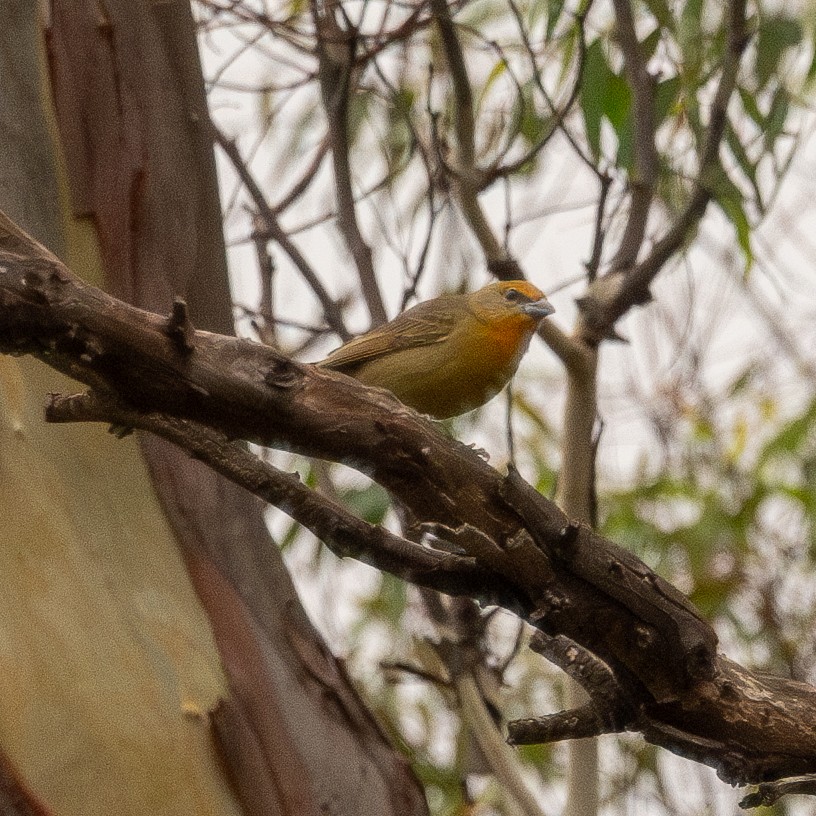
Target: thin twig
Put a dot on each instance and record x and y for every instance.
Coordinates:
(580, 20)
(308, 176)
(498, 261)
(331, 309)
(336, 47)
(266, 306)
(502, 760)
(594, 261)
(467, 177)
(559, 115)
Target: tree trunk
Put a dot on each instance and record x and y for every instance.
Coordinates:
(151, 626)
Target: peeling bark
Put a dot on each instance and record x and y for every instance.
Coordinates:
(134, 124)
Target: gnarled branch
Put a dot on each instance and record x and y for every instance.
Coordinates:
(563, 578)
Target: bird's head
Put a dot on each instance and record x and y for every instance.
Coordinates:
(511, 299)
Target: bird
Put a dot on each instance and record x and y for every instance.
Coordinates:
(449, 355)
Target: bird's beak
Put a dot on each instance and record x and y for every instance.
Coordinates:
(538, 309)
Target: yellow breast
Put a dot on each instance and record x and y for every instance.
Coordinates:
(460, 373)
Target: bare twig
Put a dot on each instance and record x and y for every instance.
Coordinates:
(266, 305)
(336, 47)
(331, 309)
(253, 314)
(302, 184)
(499, 262)
(594, 261)
(283, 29)
(559, 114)
(580, 20)
(407, 28)
(466, 176)
(502, 760)
(433, 209)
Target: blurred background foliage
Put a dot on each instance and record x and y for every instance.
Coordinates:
(706, 463)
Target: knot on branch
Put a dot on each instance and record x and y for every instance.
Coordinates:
(548, 606)
(34, 286)
(601, 306)
(282, 373)
(91, 347)
(567, 537)
(179, 328)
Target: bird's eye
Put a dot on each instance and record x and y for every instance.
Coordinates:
(513, 294)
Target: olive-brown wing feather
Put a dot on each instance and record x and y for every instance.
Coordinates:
(419, 326)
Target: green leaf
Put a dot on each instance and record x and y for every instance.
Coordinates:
(625, 157)
(556, 9)
(535, 12)
(593, 88)
(793, 436)
(811, 71)
(371, 503)
(649, 44)
(749, 104)
(499, 69)
(742, 382)
(691, 15)
(748, 167)
(604, 94)
(568, 48)
(477, 14)
(775, 36)
(402, 103)
(666, 94)
(662, 13)
(360, 104)
(388, 603)
(618, 102)
(398, 140)
(527, 121)
(777, 117)
(730, 200)
(690, 36)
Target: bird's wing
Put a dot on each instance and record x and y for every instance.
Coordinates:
(416, 327)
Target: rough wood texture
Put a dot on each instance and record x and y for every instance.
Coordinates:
(564, 578)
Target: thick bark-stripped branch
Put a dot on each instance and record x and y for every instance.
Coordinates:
(562, 577)
(341, 531)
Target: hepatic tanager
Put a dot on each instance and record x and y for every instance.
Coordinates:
(451, 354)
